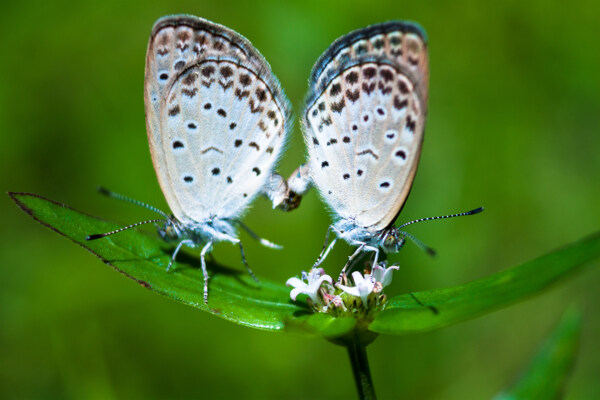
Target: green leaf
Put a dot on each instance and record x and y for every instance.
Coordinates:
(322, 324)
(547, 373)
(233, 294)
(429, 310)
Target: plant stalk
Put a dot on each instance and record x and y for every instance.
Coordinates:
(360, 368)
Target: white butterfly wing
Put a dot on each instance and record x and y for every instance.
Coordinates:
(216, 117)
(365, 119)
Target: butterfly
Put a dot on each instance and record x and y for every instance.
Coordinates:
(217, 121)
(364, 122)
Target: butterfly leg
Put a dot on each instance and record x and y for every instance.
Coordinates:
(186, 242)
(262, 241)
(239, 242)
(205, 250)
(362, 247)
(326, 249)
(352, 257)
(376, 251)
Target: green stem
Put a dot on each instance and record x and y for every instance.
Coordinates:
(360, 368)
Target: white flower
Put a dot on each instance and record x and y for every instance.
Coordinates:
(383, 275)
(364, 286)
(315, 278)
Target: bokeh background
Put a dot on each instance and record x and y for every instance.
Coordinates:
(514, 125)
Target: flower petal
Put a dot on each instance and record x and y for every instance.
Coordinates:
(357, 278)
(350, 290)
(295, 292)
(295, 282)
(323, 279)
(387, 276)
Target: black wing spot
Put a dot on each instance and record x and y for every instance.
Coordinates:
(208, 71)
(369, 72)
(237, 143)
(178, 65)
(232, 125)
(164, 76)
(213, 148)
(174, 111)
(401, 154)
(346, 139)
(229, 180)
(399, 105)
(403, 87)
(261, 95)
(315, 141)
(346, 176)
(410, 124)
(207, 106)
(177, 144)
(256, 170)
(245, 79)
(221, 112)
(368, 151)
(215, 171)
(359, 172)
(336, 89)
(386, 74)
(352, 77)
(353, 95)
(192, 125)
(324, 164)
(339, 106)
(384, 184)
(188, 179)
(354, 127)
(255, 145)
(226, 72)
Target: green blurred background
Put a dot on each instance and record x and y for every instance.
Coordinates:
(514, 123)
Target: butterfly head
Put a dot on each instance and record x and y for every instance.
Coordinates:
(170, 230)
(392, 240)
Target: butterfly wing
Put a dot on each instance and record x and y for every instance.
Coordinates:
(364, 120)
(216, 117)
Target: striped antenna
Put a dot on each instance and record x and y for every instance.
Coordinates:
(101, 235)
(475, 211)
(118, 196)
(422, 245)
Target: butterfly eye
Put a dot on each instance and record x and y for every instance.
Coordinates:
(168, 232)
(390, 242)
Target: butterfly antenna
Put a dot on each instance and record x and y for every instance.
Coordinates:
(422, 245)
(475, 211)
(118, 196)
(101, 235)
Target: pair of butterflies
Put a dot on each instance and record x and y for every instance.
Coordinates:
(217, 122)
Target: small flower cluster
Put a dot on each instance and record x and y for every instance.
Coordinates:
(339, 299)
